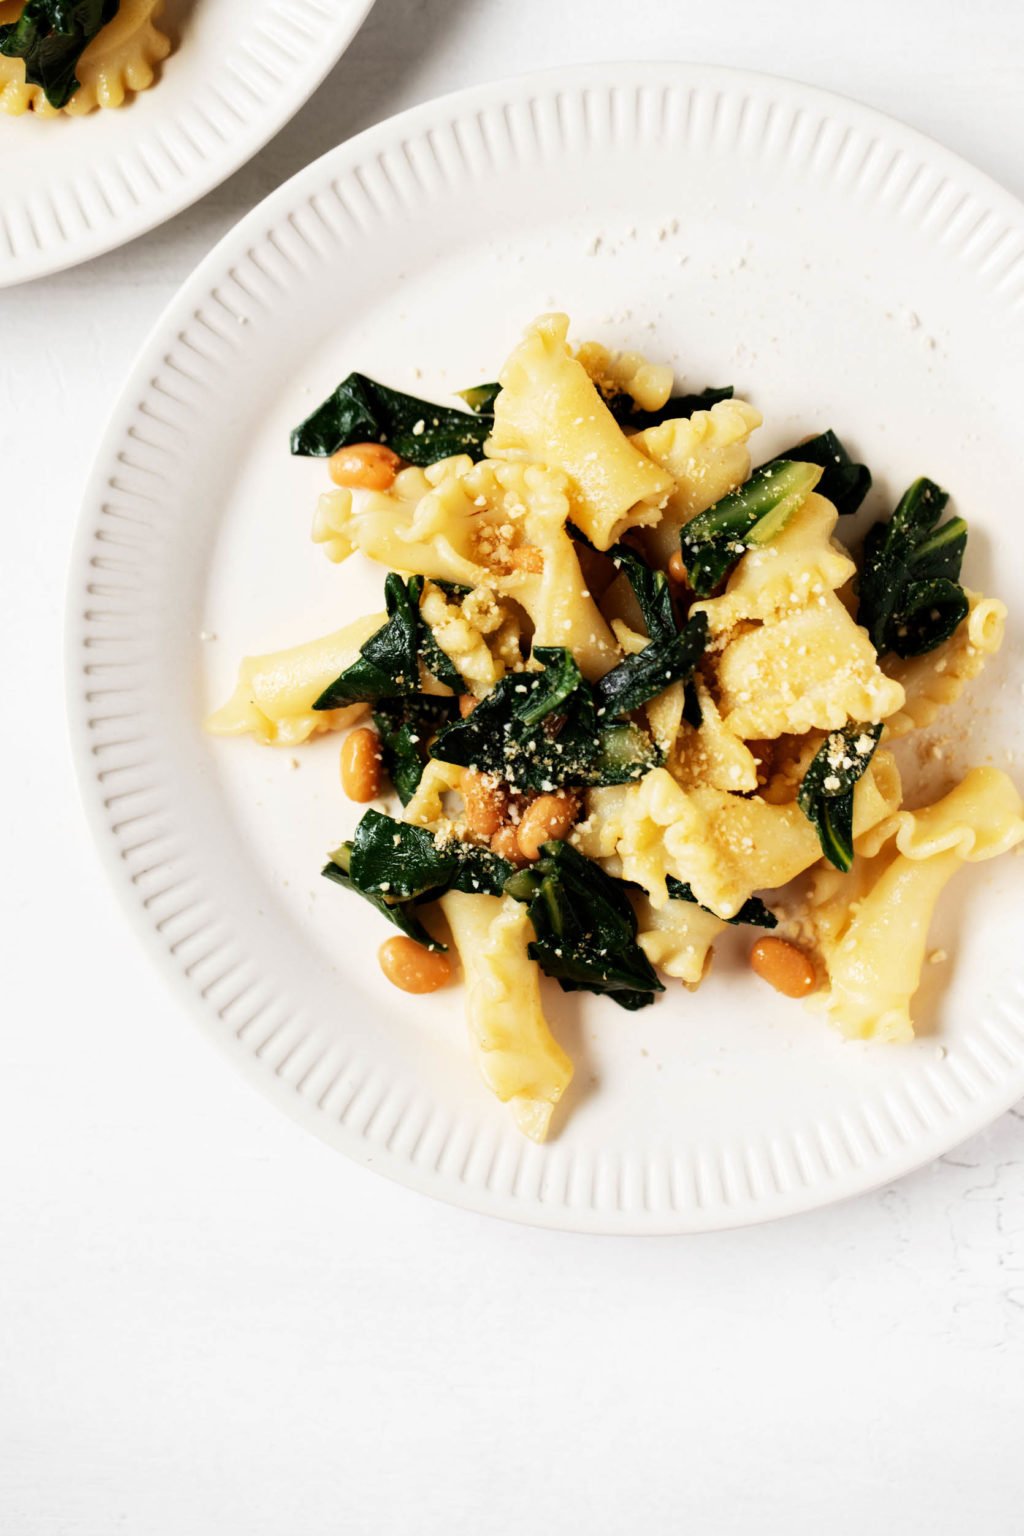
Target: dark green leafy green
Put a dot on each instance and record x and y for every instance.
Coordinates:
(405, 727)
(388, 663)
(649, 672)
(541, 730)
(585, 928)
(399, 913)
(748, 517)
(437, 662)
(51, 36)
(844, 482)
(910, 596)
(692, 712)
(650, 588)
(629, 416)
(396, 867)
(826, 793)
(363, 411)
(753, 912)
(407, 863)
(451, 588)
(480, 398)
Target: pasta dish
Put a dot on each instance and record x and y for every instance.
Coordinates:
(70, 56)
(627, 691)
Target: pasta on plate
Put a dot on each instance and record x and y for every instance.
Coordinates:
(630, 692)
(71, 56)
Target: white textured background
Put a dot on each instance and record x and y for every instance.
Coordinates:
(208, 1322)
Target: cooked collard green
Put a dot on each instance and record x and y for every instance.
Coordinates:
(909, 589)
(585, 927)
(51, 36)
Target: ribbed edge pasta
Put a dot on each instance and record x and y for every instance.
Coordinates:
(519, 1058)
(120, 61)
(936, 680)
(648, 384)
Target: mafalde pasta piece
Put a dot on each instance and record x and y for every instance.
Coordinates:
(426, 808)
(979, 819)
(489, 525)
(706, 455)
(556, 598)
(520, 1060)
(648, 385)
(665, 716)
(533, 560)
(477, 633)
(549, 412)
(874, 945)
(120, 60)
(724, 846)
(274, 696)
(677, 937)
(710, 753)
(935, 680)
(812, 668)
(801, 563)
(425, 524)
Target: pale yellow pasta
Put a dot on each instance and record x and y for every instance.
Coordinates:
(119, 61)
(548, 412)
(665, 716)
(519, 1058)
(473, 524)
(630, 641)
(425, 524)
(476, 633)
(808, 669)
(426, 808)
(523, 507)
(531, 506)
(649, 385)
(874, 951)
(799, 565)
(706, 455)
(274, 696)
(677, 937)
(936, 680)
(979, 819)
(711, 754)
(724, 846)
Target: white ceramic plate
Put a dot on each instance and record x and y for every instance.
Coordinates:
(76, 187)
(839, 270)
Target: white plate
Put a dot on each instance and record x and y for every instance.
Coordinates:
(838, 269)
(76, 187)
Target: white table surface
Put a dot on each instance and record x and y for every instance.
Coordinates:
(212, 1324)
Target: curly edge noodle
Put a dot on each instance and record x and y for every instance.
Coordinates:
(120, 61)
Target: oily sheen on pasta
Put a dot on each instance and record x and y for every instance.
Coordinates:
(118, 62)
(630, 692)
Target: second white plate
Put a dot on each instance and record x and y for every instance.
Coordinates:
(836, 268)
(76, 187)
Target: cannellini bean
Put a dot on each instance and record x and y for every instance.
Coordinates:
(412, 968)
(361, 765)
(505, 844)
(783, 967)
(549, 818)
(365, 467)
(485, 804)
